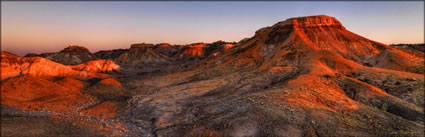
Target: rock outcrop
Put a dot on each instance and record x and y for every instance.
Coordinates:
(151, 57)
(110, 54)
(13, 65)
(142, 53)
(97, 66)
(195, 49)
(71, 55)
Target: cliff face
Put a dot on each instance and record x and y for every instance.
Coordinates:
(194, 49)
(312, 21)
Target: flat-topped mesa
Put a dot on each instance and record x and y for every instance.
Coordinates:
(142, 45)
(312, 21)
(321, 30)
(73, 48)
(323, 34)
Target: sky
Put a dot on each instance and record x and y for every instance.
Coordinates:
(50, 26)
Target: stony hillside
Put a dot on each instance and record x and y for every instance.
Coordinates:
(305, 76)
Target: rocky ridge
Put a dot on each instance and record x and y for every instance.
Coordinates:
(305, 76)
(71, 55)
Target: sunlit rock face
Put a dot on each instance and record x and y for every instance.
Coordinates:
(97, 66)
(327, 33)
(228, 47)
(8, 65)
(36, 84)
(323, 32)
(12, 65)
(194, 49)
(312, 21)
(35, 66)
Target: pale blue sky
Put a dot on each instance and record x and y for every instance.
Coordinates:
(51, 26)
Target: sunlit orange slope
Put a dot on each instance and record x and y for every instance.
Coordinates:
(323, 33)
(12, 65)
(318, 61)
(35, 83)
(36, 94)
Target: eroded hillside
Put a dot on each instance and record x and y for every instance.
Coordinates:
(305, 76)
